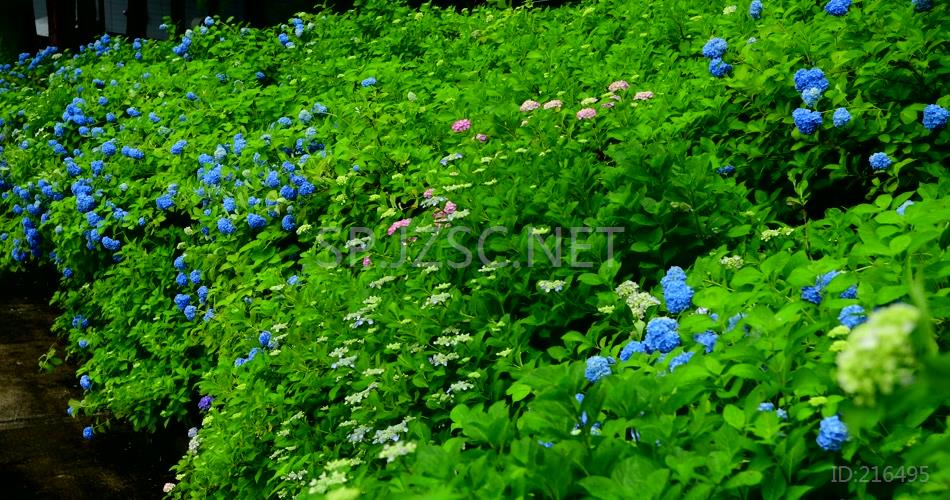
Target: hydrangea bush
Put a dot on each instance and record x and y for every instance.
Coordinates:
(253, 229)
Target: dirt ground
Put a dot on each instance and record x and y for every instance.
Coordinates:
(42, 452)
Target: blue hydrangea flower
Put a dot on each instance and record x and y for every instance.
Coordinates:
(83, 343)
(225, 226)
(825, 279)
(228, 204)
(164, 202)
(935, 117)
(812, 294)
(202, 294)
(287, 223)
(810, 78)
(903, 208)
(715, 48)
(921, 5)
(181, 279)
(682, 359)
(661, 335)
(85, 382)
(256, 221)
(838, 7)
(264, 338)
(190, 312)
(880, 161)
(632, 347)
(755, 9)
(134, 113)
(182, 301)
(195, 276)
(598, 367)
(719, 68)
(180, 263)
(87, 432)
(111, 244)
(80, 322)
(67, 273)
(832, 434)
(766, 406)
(108, 148)
(850, 293)
(368, 82)
(293, 280)
(179, 147)
(209, 315)
(726, 170)
(806, 120)
(284, 121)
(707, 339)
(852, 316)
(782, 414)
(811, 96)
(677, 294)
(841, 117)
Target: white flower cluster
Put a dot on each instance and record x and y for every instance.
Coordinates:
(360, 317)
(878, 354)
(357, 398)
(637, 301)
(548, 286)
(768, 234)
(452, 337)
(436, 299)
(381, 281)
(440, 359)
(393, 451)
(391, 433)
(733, 262)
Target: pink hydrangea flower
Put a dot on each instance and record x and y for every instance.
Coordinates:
(615, 97)
(428, 193)
(618, 85)
(586, 113)
(168, 487)
(450, 208)
(529, 105)
(398, 224)
(607, 105)
(481, 137)
(461, 125)
(367, 261)
(643, 96)
(555, 104)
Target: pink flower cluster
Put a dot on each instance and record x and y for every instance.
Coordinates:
(618, 85)
(481, 137)
(643, 96)
(529, 105)
(586, 113)
(461, 125)
(428, 193)
(553, 104)
(398, 224)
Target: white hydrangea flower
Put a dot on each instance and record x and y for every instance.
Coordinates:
(393, 451)
(878, 356)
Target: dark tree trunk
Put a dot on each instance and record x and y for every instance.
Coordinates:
(178, 15)
(136, 19)
(62, 22)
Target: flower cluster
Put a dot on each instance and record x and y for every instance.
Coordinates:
(677, 294)
(878, 355)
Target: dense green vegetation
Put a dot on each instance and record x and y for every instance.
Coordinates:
(756, 299)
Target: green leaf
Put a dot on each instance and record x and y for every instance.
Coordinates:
(744, 478)
(518, 391)
(734, 416)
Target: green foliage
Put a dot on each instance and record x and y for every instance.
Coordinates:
(403, 375)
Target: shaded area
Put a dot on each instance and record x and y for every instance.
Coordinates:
(42, 453)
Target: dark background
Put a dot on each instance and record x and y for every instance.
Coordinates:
(30, 25)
